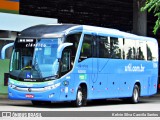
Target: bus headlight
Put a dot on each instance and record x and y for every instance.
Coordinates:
(11, 85)
(52, 86)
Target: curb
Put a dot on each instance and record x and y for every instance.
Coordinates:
(3, 96)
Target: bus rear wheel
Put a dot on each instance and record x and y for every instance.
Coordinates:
(81, 97)
(135, 94)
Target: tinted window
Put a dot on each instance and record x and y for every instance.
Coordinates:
(116, 47)
(86, 50)
(73, 38)
(104, 47)
(141, 50)
(152, 51)
(129, 49)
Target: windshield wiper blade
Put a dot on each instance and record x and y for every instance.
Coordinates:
(51, 77)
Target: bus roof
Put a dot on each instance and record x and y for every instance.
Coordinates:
(42, 30)
(115, 32)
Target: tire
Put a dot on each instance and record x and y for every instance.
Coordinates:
(135, 95)
(81, 98)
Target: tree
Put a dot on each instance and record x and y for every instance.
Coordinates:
(153, 6)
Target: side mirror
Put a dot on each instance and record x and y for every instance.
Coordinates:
(61, 48)
(4, 50)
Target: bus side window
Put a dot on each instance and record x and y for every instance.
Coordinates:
(104, 47)
(152, 51)
(141, 50)
(86, 50)
(116, 47)
(130, 47)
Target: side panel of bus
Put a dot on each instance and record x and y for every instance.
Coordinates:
(114, 74)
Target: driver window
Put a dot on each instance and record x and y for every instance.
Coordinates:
(73, 38)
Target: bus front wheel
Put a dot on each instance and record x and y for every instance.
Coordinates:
(135, 94)
(81, 97)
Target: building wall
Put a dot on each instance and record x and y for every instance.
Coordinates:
(106, 13)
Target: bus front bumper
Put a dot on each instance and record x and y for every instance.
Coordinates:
(40, 94)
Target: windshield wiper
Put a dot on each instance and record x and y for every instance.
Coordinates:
(50, 77)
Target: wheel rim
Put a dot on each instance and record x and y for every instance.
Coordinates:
(136, 95)
(79, 97)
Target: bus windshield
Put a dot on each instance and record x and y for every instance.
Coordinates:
(33, 58)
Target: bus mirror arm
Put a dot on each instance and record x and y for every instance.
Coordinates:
(61, 48)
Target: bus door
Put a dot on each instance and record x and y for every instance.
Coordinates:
(94, 60)
(88, 60)
(103, 49)
(97, 82)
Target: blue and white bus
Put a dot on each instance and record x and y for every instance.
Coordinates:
(76, 63)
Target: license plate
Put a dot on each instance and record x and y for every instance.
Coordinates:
(29, 96)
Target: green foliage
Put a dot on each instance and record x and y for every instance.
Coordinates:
(153, 6)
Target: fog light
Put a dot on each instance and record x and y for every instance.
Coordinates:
(51, 95)
(10, 94)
